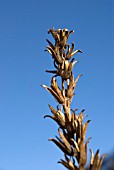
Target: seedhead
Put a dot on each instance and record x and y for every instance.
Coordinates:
(71, 139)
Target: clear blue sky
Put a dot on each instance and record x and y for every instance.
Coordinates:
(23, 102)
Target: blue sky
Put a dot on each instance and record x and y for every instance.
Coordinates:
(23, 103)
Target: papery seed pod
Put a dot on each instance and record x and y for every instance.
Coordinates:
(73, 122)
(66, 143)
(68, 163)
(91, 159)
(58, 98)
(55, 87)
(76, 146)
(66, 70)
(76, 81)
(63, 74)
(86, 145)
(96, 161)
(64, 163)
(83, 152)
(66, 65)
(85, 126)
(83, 155)
(52, 110)
(62, 146)
(100, 161)
(67, 33)
(58, 116)
(79, 128)
(55, 55)
(71, 166)
(64, 34)
(71, 65)
(70, 88)
(54, 34)
(81, 116)
(70, 52)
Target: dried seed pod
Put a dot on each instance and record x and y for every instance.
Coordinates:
(70, 52)
(58, 98)
(57, 58)
(66, 143)
(71, 65)
(62, 146)
(68, 163)
(55, 34)
(85, 126)
(58, 117)
(55, 86)
(96, 161)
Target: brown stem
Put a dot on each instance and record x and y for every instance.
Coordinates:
(81, 167)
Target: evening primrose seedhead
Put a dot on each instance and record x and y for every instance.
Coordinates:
(72, 127)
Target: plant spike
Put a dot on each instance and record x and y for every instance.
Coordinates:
(72, 130)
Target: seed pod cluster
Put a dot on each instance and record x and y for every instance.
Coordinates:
(72, 128)
(60, 55)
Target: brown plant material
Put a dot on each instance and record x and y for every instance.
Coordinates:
(72, 128)
(96, 161)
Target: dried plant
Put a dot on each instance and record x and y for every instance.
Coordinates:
(72, 129)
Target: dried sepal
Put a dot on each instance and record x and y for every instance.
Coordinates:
(66, 143)
(70, 90)
(96, 161)
(54, 34)
(85, 126)
(58, 116)
(76, 81)
(76, 51)
(64, 163)
(101, 160)
(73, 121)
(61, 146)
(64, 34)
(55, 55)
(59, 98)
(79, 127)
(91, 159)
(70, 52)
(55, 86)
(82, 157)
(71, 86)
(66, 149)
(81, 116)
(76, 147)
(50, 44)
(71, 64)
(68, 163)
